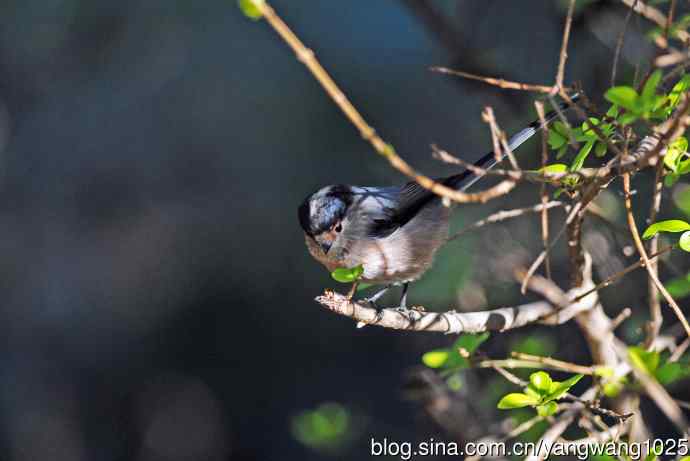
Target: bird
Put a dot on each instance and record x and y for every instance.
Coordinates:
(392, 232)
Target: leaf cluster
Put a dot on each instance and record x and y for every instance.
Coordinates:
(542, 392)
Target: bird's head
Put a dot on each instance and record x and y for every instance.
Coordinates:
(322, 214)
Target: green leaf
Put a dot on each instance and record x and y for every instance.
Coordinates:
(547, 409)
(554, 168)
(649, 89)
(587, 129)
(681, 198)
(516, 400)
(534, 344)
(623, 96)
(645, 360)
(324, 428)
(470, 342)
(600, 149)
(454, 382)
(532, 392)
(582, 156)
(684, 241)
(670, 179)
(557, 139)
(613, 111)
(364, 286)
(670, 372)
(344, 275)
(679, 287)
(677, 91)
(628, 118)
(558, 389)
(675, 153)
(613, 388)
(436, 358)
(250, 9)
(603, 371)
(671, 225)
(561, 152)
(657, 103)
(541, 381)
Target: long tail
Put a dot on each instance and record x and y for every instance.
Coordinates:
(466, 179)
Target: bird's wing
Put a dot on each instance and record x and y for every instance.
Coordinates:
(405, 204)
(412, 197)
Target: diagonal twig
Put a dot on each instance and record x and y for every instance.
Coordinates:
(643, 254)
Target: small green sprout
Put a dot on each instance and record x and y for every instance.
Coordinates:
(250, 8)
(345, 275)
(541, 393)
(560, 135)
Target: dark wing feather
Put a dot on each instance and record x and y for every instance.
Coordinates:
(412, 197)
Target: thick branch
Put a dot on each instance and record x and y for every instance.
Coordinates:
(452, 322)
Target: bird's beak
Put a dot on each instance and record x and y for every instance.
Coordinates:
(325, 246)
(325, 241)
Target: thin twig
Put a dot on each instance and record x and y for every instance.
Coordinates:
(656, 319)
(655, 391)
(504, 215)
(537, 262)
(612, 278)
(522, 364)
(620, 318)
(555, 363)
(499, 82)
(619, 47)
(656, 16)
(522, 428)
(498, 138)
(560, 74)
(543, 192)
(307, 57)
(643, 254)
(680, 350)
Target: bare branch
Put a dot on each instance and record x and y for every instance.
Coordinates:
(506, 214)
(499, 82)
(543, 193)
(643, 254)
(307, 57)
(656, 319)
(452, 322)
(655, 391)
(619, 47)
(656, 16)
(560, 74)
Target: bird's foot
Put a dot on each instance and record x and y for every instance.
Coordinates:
(372, 302)
(379, 310)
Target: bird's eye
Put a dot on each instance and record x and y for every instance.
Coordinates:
(339, 227)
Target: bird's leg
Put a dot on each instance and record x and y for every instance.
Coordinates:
(372, 300)
(353, 290)
(403, 297)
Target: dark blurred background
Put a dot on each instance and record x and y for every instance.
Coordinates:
(157, 294)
